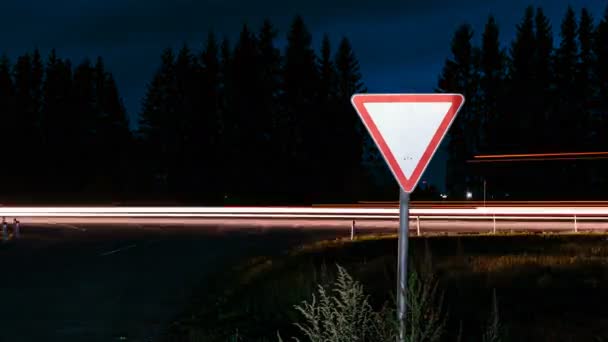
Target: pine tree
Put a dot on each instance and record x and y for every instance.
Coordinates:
(521, 87)
(36, 92)
(226, 123)
(225, 70)
(540, 136)
(112, 136)
(600, 69)
(212, 78)
(328, 171)
(542, 108)
(600, 106)
(33, 137)
(248, 122)
(348, 135)
(585, 82)
(269, 85)
(590, 175)
(518, 127)
(600, 48)
(188, 161)
(25, 125)
(212, 133)
(117, 120)
(492, 67)
(459, 76)
(158, 127)
(327, 72)
(568, 110)
(85, 114)
(348, 73)
(59, 127)
(300, 77)
(7, 122)
(270, 62)
(569, 99)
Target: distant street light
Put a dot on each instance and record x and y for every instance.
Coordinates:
(469, 195)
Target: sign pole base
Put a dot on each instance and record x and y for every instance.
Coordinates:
(404, 219)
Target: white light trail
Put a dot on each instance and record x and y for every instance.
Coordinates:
(295, 212)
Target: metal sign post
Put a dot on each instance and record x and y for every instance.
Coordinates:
(404, 219)
(407, 129)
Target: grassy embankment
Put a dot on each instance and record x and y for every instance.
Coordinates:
(548, 287)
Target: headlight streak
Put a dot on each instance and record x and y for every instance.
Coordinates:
(297, 212)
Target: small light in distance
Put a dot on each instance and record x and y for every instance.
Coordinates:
(469, 195)
(444, 196)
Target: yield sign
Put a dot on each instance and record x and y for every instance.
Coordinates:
(407, 128)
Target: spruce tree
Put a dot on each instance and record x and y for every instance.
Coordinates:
(248, 120)
(459, 76)
(327, 72)
(492, 67)
(600, 48)
(591, 132)
(569, 100)
(59, 127)
(225, 117)
(189, 158)
(112, 136)
(24, 127)
(348, 135)
(492, 98)
(542, 123)
(568, 105)
(600, 70)
(36, 94)
(269, 85)
(328, 169)
(8, 121)
(586, 30)
(300, 76)
(158, 127)
(85, 114)
(212, 133)
(521, 87)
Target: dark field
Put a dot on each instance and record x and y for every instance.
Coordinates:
(548, 287)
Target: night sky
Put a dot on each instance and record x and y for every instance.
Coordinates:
(401, 44)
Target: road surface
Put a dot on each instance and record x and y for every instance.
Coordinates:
(87, 282)
(123, 278)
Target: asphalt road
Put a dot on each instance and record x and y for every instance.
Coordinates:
(90, 282)
(99, 279)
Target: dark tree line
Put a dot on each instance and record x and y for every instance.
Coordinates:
(250, 122)
(64, 129)
(247, 122)
(229, 122)
(532, 96)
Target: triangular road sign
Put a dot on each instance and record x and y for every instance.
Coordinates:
(407, 128)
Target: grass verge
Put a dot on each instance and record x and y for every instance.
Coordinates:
(550, 287)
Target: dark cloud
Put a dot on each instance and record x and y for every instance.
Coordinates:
(401, 44)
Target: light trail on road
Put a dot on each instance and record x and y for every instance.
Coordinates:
(447, 220)
(295, 212)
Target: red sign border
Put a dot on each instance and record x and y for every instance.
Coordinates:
(408, 185)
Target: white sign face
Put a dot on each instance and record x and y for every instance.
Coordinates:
(407, 128)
